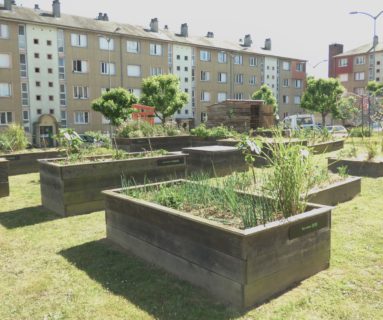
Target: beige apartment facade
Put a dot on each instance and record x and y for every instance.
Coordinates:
(55, 64)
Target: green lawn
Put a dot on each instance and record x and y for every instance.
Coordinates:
(60, 268)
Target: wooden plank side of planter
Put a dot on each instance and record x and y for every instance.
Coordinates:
(357, 167)
(184, 247)
(202, 233)
(228, 291)
(174, 143)
(337, 193)
(328, 146)
(4, 181)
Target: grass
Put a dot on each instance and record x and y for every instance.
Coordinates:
(61, 268)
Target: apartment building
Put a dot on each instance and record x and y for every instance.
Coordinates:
(354, 68)
(53, 65)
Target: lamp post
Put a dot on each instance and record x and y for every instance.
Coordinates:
(374, 43)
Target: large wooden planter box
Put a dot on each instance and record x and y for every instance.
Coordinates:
(175, 143)
(239, 267)
(357, 167)
(215, 160)
(202, 142)
(26, 162)
(328, 146)
(4, 182)
(76, 188)
(338, 192)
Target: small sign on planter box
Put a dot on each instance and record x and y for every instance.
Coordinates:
(310, 225)
(170, 162)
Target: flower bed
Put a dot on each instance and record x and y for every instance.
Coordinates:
(4, 183)
(328, 146)
(70, 189)
(357, 167)
(239, 267)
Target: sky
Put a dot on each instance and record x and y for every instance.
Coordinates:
(300, 29)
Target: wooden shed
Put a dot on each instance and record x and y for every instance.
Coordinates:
(242, 115)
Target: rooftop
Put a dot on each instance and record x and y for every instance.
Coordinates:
(366, 48)
(42, 17)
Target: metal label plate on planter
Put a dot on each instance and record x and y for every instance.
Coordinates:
(308, 226)
(140, 141)
(170, 162)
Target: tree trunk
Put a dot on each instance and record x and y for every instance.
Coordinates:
(324, 120)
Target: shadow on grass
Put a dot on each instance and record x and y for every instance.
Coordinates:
(26, 217)
(151, 289)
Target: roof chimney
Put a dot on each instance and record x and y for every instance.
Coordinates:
(166, 27)
(184, 30)
(56, 10)
(267, 44)
(154, 25)
(8, 5)
(210, 34)
(105, 17)
(37, 7)
(247, 41)
(100, 16)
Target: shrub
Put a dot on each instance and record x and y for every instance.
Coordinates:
(142, 129)
(216, 132)
(360, 132)
(100, 137)
(13, 139)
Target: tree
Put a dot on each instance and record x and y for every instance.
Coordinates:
(163, 93)
(375, 90)
(115, 105)
(347, 109)
(264, 93)
(323, 96)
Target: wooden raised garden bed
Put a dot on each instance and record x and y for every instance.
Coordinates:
(328, 146)
(337, 192)
(27, 162)
(362, 168)
(73, 189)
(239, 267)
(4, 183)
(215, 160)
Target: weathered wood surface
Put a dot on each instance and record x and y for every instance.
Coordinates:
(4, 182)
(357, 167)
(328, 146)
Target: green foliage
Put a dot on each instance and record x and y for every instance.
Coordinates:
(100, 137)
(375, 88)
(360, 132)
(342, 171)
(347, 108)
(13, 139)
(312, 135)
(115, 105)
(322, 96)
(141, 129)
(163, 93)
(266, 94)
(70, 142)
(372, 148)
(215, 132)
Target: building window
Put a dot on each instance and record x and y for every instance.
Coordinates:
(21, 37)
(186, 69)
(37, 55)
(222, 77)
(50, 70)
(80, 92)
(238, 96)
(49, 56)
(360, 60)
(205, 96)
(253, 61)
(134, 71)
(285, 99)
(78, 40)
(62, 95)
(50, 84)
(51, 111)
(5, 117)
(5, 61)
(300, 67)
(155, 71)
(343, 77)
(238, 59)
(205, 55)
(107, 68)
(60, 40)
(38, 97)
(297, 99)
(80, 66)
(186, 58)
(24, 95)
(36, 41)
(23, 65)
(5, 89)
(61, 69)
(132, 46)
(4, 31)
(178, 58)
(39, 111)
(37, 70)
(239, 78)
(342, 62)
(253, 80)
(205, 75)
(221, 96)
(222, 57)
(49, 42)
(51, 98)
(135, 91)
(186, 79)
(81, 117)
(297, 83)
(359, 76)
(155, 49)
(25, 116)
(286, 66)
(178, 68)
(38, 84)
(63, 120)
(285, 83)
(106, 43)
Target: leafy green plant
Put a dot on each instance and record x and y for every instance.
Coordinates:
(13, 139)
(360, 132)
(100, 137)
(215, 132)
(372, 149)
(343, 171)
(143, 129)
(70, 142)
